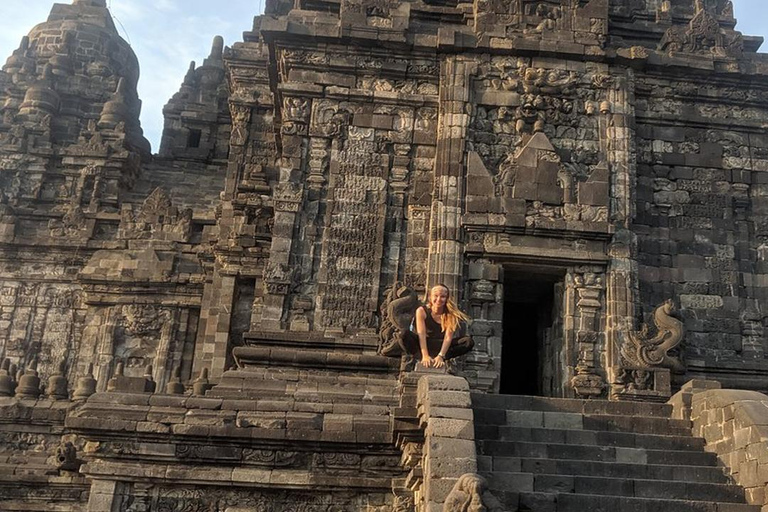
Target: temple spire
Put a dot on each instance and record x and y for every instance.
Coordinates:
(91, 3)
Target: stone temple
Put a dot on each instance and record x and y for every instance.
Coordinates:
(211, 328)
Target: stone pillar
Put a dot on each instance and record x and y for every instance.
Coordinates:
(617, 141)
(588, 381)
(212, 346)
(288, 196)
(486, 308)
(213, 335)
(446, 247)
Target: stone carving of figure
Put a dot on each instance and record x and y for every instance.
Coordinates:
(397, 313)
(471, 494)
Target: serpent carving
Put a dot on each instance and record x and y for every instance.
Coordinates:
(643, 351)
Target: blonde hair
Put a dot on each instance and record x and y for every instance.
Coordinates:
(452, 316)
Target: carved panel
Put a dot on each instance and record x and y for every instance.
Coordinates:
(140, 335)
(704, 35)
(354, 235)
(181, 499)
(157, 218)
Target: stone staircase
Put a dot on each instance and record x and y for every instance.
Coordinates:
(563, 455)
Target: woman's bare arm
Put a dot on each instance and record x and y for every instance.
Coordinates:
(421, 329)
(440, 361)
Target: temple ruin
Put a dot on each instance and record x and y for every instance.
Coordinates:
(203, 329)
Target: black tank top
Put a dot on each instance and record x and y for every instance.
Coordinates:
(434, 329)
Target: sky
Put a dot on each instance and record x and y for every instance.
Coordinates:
(168, 34)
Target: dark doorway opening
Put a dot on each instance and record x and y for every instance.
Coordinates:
(532, 330)
(194, 138)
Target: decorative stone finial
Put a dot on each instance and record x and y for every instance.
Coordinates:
(16, 61)
(174, 386)
(61, 62)
(41, 98)
(216, 58)
(6, 380)
(29, 382)
(189, 78)
(115, 110)
(201, 384)
(151, 385)
(86, 385)
(57, 384)
(119, 372)
(15, 374)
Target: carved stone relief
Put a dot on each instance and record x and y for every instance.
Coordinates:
(471, 493)
(141, 335)
(642, 350)
(397, 313)
(202, 500)
(156, 219)
(589, 287)
(704, 35)
(352, 248)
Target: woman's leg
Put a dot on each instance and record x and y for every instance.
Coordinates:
(409, 342)
(460, 346)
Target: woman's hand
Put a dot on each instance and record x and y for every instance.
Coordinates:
(438, 361)
(426, 361)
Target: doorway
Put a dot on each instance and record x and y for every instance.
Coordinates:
(532, 331)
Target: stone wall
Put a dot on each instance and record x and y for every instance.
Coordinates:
(699, 213)
(733, 423)
(341, 149)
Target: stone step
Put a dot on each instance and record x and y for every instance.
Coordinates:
(677, 473)
(605, 486)
(595, 453)
(564, 502)
(579, 421)
(544, 404)
(588, 437)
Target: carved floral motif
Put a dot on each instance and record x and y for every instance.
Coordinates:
(278, 278)
(142, 320)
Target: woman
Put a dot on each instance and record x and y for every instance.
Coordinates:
(436, 324)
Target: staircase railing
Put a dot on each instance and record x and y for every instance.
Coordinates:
(734, 424)
(435, 430)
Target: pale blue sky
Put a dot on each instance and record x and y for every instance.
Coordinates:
(167, 34)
